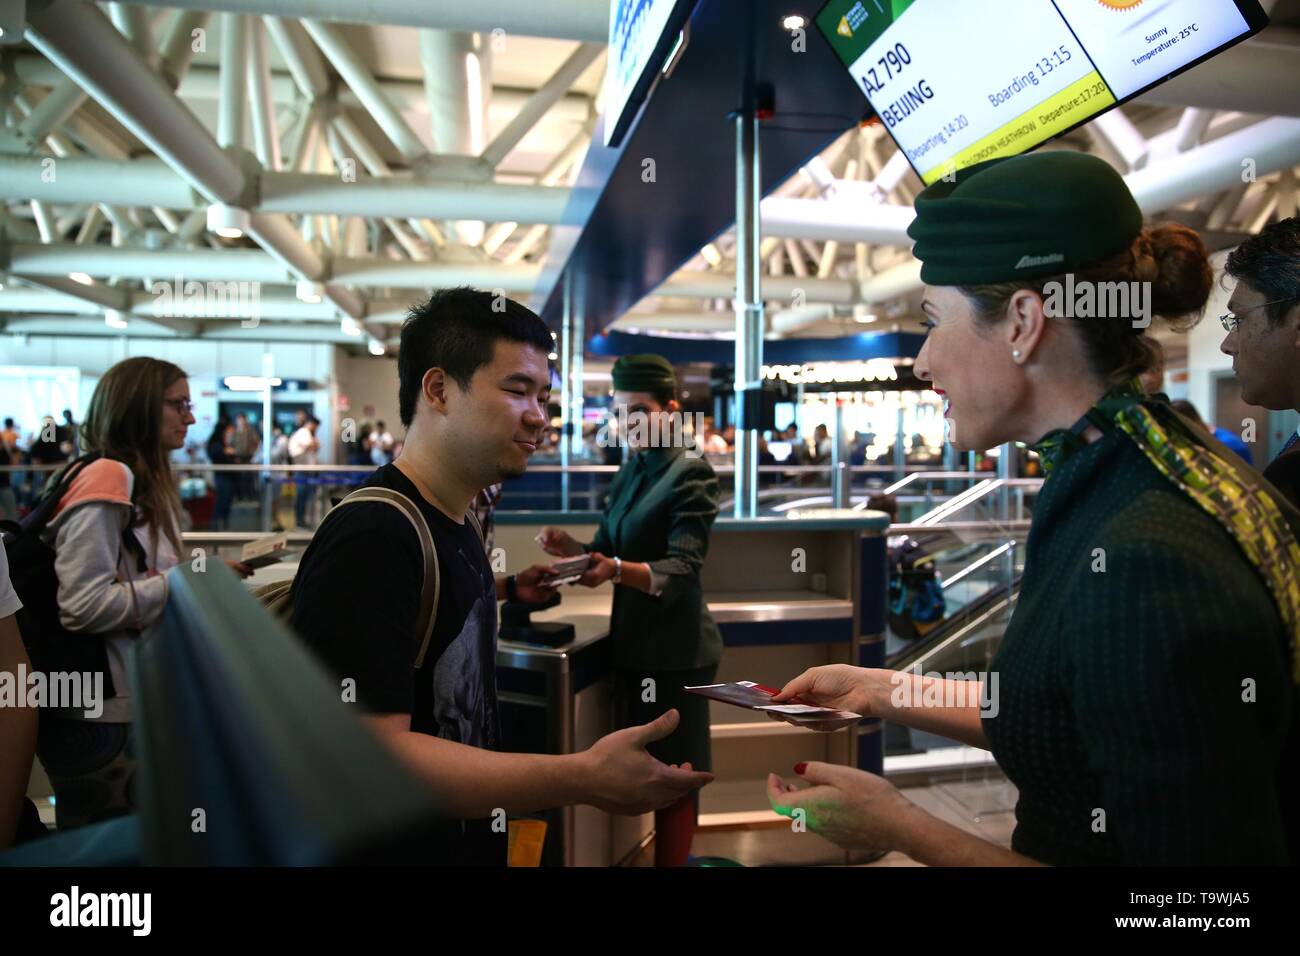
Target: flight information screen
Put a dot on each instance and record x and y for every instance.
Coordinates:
(957, 82)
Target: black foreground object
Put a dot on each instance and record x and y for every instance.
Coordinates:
(250, 753)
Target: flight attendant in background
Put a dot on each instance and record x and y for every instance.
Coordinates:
(651, 543)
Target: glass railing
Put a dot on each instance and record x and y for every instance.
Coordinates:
(256, 497)
(975, 541)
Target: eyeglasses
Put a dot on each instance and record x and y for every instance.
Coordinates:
(182, 405)
(1230, 320)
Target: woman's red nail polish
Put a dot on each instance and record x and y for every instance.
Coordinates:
(800, 767)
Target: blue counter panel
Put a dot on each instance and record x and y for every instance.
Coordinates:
(871, 746)
(762, 633)
(871, 654)
(873, 584)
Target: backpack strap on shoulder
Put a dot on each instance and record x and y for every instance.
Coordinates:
(53, 493)
(432, 580)
(478, 525)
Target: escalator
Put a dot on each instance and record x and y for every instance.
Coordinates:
(965, 640)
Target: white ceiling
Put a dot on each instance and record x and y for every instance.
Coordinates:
(520, 65)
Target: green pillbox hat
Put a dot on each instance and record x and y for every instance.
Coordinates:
(643, 373)
(1022, 217)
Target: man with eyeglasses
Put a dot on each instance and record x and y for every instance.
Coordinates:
(1263, 325)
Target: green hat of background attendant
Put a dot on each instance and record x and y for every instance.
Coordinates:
(1022, 217)
(644, 373)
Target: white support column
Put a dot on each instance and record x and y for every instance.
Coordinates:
(457, 85)
(266, 137)
(234, 76)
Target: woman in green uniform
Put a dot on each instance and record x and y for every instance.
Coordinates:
(1145, 706)
(651, 543)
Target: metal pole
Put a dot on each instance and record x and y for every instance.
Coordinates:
(1006, 471)
(839, 467)
(268, 509)
(576, 399)
(900, 446)
(566, 386)
(234, 80)
(749, 313)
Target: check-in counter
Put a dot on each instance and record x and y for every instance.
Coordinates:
(788, 593)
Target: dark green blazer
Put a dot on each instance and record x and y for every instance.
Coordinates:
(659, 511)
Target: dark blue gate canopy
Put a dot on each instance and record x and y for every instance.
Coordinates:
(638, 212)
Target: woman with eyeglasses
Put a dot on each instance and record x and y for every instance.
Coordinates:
(1145, 701)
(115, 532)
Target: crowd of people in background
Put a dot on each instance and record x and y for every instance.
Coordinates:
(50, 443)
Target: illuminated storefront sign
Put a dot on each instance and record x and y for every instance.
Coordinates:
(825, 373)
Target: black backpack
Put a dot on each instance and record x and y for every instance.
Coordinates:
(51, 646)
(916, 602)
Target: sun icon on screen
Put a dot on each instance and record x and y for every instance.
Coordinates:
(1120, 4)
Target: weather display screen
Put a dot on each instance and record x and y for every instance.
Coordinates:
(956, 82)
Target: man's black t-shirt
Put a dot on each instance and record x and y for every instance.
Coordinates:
(356, 597)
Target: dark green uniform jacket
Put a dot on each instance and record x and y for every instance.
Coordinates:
(1121, 715)
(660, 508)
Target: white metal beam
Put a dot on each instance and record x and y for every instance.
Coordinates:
(266, 137)
(561, 19)
(537, 105)
(76, 37)
(180, 42)
(53, 111)
(362, 83)
(299, 55)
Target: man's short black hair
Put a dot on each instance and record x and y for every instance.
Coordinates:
(456, 331)
(1270, 264)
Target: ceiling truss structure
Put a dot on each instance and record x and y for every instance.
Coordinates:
(115, 177)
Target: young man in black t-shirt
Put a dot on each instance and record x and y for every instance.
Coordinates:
(474, 384)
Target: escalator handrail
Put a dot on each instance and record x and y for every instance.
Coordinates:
(975, 610)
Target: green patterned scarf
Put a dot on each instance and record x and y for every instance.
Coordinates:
(1213, 477)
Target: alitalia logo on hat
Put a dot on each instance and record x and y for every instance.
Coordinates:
(1028, 262)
